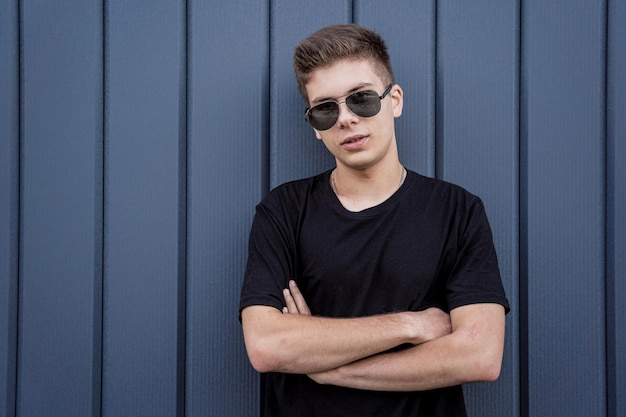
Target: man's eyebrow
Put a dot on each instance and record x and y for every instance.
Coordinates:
(355, 88)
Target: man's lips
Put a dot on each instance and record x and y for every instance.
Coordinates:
(353, 140)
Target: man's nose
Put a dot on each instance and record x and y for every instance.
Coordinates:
(346, 116)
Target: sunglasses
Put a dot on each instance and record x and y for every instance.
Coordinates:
(362, 103)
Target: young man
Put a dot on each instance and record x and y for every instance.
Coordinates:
(370, 290)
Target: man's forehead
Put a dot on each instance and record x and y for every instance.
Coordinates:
(341, 78)
(359, 86)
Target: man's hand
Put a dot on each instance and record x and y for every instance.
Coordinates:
(472, 352)
(430, 324)
(295, 303)
(433, 323)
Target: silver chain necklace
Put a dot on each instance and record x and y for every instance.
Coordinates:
(334, 186)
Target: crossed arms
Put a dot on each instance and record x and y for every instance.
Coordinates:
(445, 350)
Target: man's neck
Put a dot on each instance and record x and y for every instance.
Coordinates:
(358, 190)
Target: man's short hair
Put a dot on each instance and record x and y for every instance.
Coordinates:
(337, 42)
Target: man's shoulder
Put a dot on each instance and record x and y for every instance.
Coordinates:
(442, 190)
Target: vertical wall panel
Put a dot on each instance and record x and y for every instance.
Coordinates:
(9, 177)
(563, 138)
(144, 208)
(61, 209)
(294, 150)
(616, 207)
(409, 29)
(477, 73)
(228, 136)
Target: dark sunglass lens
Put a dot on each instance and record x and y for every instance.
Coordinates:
(324, 116)
(364, 103)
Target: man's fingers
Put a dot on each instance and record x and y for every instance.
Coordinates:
(290, 304)
(298, 298)
(294, 300)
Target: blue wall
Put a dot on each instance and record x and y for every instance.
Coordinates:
(137, 137)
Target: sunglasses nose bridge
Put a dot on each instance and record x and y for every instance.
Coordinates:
(347, 110)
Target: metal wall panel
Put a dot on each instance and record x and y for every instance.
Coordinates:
(145, 162)
(198, 115)
(294, 150)
(563, 128)
(61, 209)
(9, 201)
(228, 137)
(477, 148)
(616, 208)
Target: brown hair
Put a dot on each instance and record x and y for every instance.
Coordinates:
(333, 43)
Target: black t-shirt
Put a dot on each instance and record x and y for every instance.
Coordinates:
(429, 244)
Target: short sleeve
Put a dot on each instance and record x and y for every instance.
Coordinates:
(475, 276)
(270, 260)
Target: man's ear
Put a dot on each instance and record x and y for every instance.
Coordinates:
(317, 134)
(397, 97)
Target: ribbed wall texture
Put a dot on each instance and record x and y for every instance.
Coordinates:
(137, 137)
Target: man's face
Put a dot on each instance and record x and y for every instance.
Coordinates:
(356, 142)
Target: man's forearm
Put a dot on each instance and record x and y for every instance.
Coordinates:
(471, 353)
(423, 367)
(296, 342)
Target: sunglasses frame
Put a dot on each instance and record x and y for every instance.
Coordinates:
(308, 110)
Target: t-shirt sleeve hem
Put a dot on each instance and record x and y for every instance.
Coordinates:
(479, 299)
(254, 301)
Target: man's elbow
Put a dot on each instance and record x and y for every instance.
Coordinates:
(483, 361)
(487, 366)
(490, 371)
(262, 343)
(259, 363)
(261, 357)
